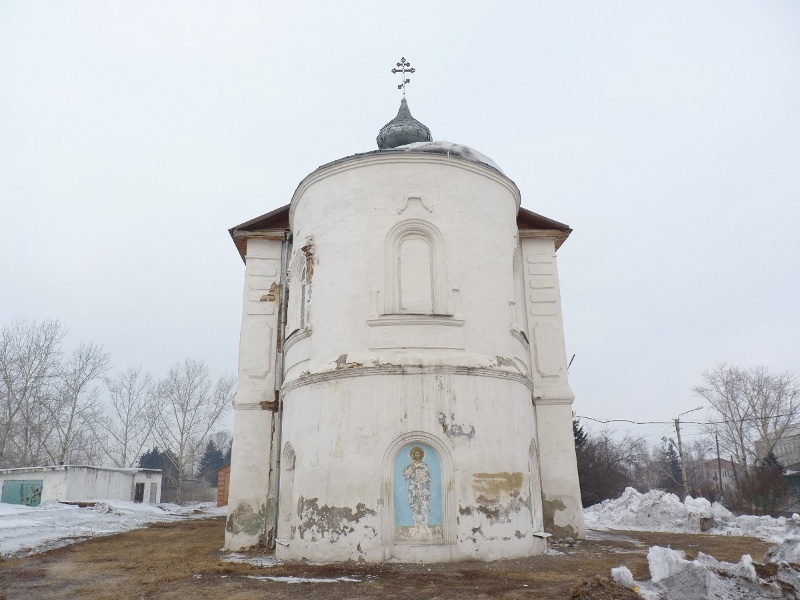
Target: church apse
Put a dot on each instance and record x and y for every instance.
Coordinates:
(421, 353)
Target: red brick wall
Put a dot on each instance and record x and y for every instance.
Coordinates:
(223, 477)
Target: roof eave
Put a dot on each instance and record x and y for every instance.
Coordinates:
(265, 226)
(531, 224)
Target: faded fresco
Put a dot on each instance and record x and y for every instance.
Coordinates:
(418, 494)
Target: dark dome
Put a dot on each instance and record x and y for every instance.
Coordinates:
(403, 129)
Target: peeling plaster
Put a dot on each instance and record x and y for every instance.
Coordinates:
(496, 511)
(496, 484)
(273, 295)
(243, 520)
(488, 520)
(509, 363)
(308, 251)
(551, 510)
(500, 510)
(341, 363)
(318, 522)
(454, 430)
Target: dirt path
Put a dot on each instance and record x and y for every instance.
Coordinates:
(182, 560)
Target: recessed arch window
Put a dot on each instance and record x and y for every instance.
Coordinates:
(415, 271)
(303, 289)
(297, 316)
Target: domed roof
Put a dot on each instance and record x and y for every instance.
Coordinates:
(403, 129)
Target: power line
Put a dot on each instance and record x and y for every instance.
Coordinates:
(723, 422)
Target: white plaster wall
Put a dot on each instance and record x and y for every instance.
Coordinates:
(250, 503)
(340, 429)
(88, 484)
(552, 395)
(54, 483)
(349, 208)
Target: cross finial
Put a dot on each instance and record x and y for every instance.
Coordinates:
(403, 69)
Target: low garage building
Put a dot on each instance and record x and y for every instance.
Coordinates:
(79, 483)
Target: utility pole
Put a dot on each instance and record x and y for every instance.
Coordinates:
(680, 450)
(719, 464)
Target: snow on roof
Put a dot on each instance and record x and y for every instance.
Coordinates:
(450, 149)
(129, 471)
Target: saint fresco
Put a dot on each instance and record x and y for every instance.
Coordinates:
(418, 494)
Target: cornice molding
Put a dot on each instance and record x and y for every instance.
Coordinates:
(313, 378)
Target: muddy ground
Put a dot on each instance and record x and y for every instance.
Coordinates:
(182, 560)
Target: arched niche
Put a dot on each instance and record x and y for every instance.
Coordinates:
(519, 320)
(286, 501)
(406, 474)
(415, 270)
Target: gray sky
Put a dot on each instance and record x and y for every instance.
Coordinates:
(667, 135)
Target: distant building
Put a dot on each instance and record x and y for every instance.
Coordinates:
(223, 480)
(787, 450)
(712, 473)
(79, 483)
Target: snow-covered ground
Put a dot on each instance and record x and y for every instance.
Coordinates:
(27, 530)
(672, 576)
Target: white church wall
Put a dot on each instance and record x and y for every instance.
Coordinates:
(563, 513)
(250, 495)
(349, 209)
(347, 431)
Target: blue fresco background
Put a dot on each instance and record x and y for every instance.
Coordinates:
(402, 511)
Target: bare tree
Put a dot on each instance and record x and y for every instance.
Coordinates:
(29, 358)
(127, 424)
(775, 402)
(222, 439)
(750, 404)
(189, 408)
(73, 405)
(695, 454)
(607, 465)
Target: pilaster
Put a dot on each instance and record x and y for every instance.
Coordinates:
(552, 396)
(250, 498)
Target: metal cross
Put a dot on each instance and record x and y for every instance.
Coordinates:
(404, 64)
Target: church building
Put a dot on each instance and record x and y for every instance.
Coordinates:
(403, 390)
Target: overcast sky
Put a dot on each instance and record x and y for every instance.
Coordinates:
(667, 135)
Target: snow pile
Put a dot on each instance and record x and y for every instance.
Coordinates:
(675, 578)
(775, 530)
(653, 511)
(26, 530)
(788, 550)
(661, 511)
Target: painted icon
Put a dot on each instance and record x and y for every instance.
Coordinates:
(418, 494)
